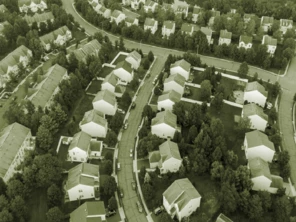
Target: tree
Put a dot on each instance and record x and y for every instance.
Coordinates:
(272, 114)
(243, 126)
(243, 69)
(112, 203)
(282, 208)
(3, 186)
(275, 89)
(148, 191)
(146, 63)
(217, 170)
(44, 138)
(116, 122)
(150, 56)
(206, 90)
(3, 202)
(19, 208)
(58, 115)
(125, 100)
(54, 196)
(228, 198)
(192, 134)
(55, 215)
(6, 216)
(165, 217)
(15, 188)
(217, 101)
(111, 138)
(106, 167)
(121, 44)
(109, 186)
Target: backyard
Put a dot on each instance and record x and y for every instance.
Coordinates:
(120, 58)
(38, 205)
(94, 87)
(105, 71)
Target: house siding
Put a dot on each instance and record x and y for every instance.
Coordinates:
(260, 151)
(258, 123)
(163, 131)
(86, 192)
(181, 71)
(105, 107)
(165, 104)
(255, 97)
(173, 86)
(261, 183)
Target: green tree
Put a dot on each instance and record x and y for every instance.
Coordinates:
(205, 90)
(16, 188)
(228, 198)
(150, 56)
(116, 122)
(109, 186)
(106, 167)
(272, 115)
(54, 196)
(109, 156)
(6, 216)
(146, 63)
(281, 207)
(243, 69)
(192, 134)
(3, 202)
(148, 191)
(111, 138)
(217, 170)
(44, 138)
(19, 208)
(125, 100)
(3, 186)
(112, 203)
(217, 102)
(242, 127)
(55, 215)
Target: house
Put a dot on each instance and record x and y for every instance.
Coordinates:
(225, 37)
(2, 25)
(248, 17)
(124, 71)
(105, 12)
(32, 5)
(256, 115)
(196, 12)
(3, 8)
(166, 7)
(38, 18)
(285, 24)
(126, 2)
(223, 218)
(257, 144)
(208, 32)
(181, 199)
(15, 139)
(10, 64)
(57, 37)
(135, 4)
(174, 82)
(82, 182)
(110, 82)
(271, 44)
(167, 100)
(180, 7)
(233, 11)
(94, 124)
(44, 92)
(150, 24)
(245, 41)
(164, 125)
(105, 102)
(266, 23)
(169, 157)
(188, 29)
(261, 177)
(129, 21)
(255, 93)
(214, 14)
(117, 16)
(89, 211)
(134, 58)
(168, 28)
(150, 6)
(181, 67)
(91, 48)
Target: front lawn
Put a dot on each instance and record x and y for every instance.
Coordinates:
(194, 93)
(105, 71)
(38, 205)
(154, 100)
(94, 87)
(78, 35)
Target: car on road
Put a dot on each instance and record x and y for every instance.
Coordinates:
(118, 166)
(133, 185)
(110, 213)
(133, 105)
(131, 153)
(139, 207)
(120, 191)
(121, 111)
(125, 126)
(158, 210)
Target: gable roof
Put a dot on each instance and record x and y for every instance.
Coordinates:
(47, 87)
(116, 13)
(166, 117)
(80, 140)
(94, 116)
(257, 138)
(169, 24)
(125, 65)
(111, 78)
(105, 95)
(50, 37)
(43, 17)
(181, 192)
(188, 28)
(223, 218)
(286, 22)
(3, 8)
(214, 13)
(88, 49)
(265, 20)
(183, 64)
(171, 95)
(245, 39)
(253, 109)
(11, 139)
(154, 156)
(248, 16)
(179, 79)
(225, 34)
(206, 31)
(150, 22)
(130, 19)
(251, 86)
(88, 210)
(259, 167)
(197, 10)
(180, 5)
(135, 55)
(169, 150)
(268, 40)
(149, 3)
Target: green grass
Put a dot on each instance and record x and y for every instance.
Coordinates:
(119, 59)
(78, 35)
(94, 87)
(105, 71)
(194, 93)
(229, 86)
(37, 205)
(154, 99)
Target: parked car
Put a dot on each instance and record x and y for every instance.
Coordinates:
(133, 185)
(121, 111)
(139, 207)
(158, 210)
(125, 126)
(133, 105)
(120, 190)
(118, 166)
(110, 213)
(131, 153)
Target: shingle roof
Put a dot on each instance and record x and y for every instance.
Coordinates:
(47, 87)
(169, 24)
(215, 13)
(169, 150)
(181, 192)
(11, 139)
(125, 65)
(107, 96)
(179, 5)
(206, 31)
(248, 16)
(111, 78)
(253, 109)
(88, 210)
(50, 37)
(43, 17)
(267, 40)
(24, 2)
(171, 95)
(225, 34)
(259, 167)
(130, 20)
(83, 173)
(89, 48)
(266, 20)
(116, 13)
(251, 86)
(223, 218)
(186, 27)
(166, 117)
(94, 116)
(149, 22)
(80, 140)
(176, 78)
(135, 55)
(149, 3)
(257, 138)
(286, 22)
(246, 39)
(182, 63)
(154, 156)
(276, 181)
(196, 10)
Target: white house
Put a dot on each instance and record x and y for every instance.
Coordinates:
(151, 24)
(10, 64)
(3, 8)
(266, 23)
(150, 6)
(129, 21)
(43, 94)
(57, 37)
(94, 124)
(91, 48)
(208, 32)
(180, 7)
(248, 17)
(214, 14)
(134, 58)
(181, 199)
(15, 139)
(105, 102)
(225, 37)
(196, 12)
(181, 67)
(126, 2)
(135, 4)
(223, 218)
(245, 41)
(285, 24)
(105, 12)
(124, 71)
(271, 44)
(167, 100)
(256, 115)
(117, 16)
(38, 18)
(261, 177)
(164, 125)
(79, 149)
(188, 29)
(174, 82)
(82, 182)
(89, 211)
(169, 157)
(255, 93)
(168, 28)
(110, 82)
(257, 144)
(32, 5)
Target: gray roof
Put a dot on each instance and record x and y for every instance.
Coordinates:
(183, 64)
(43, 17)
(94, 116)
(88, 210)
(259, 167)
(80, 140)
(169, 150)
(267, 40)
(223, 218)
(135, 55)
(266, 20)
(149, 22)
(125, 65)
(107, 96)
(257, 138)
(89, 48)
(246, 39)
(50, 37)
(251, 86)
(116, 13)
(111, 78)
(206, 31)
(176, 78)
(154, 156)
(3, 8)
(276, 181)
(197, 10)
(171, 95)
(253, 109)
(225, 34)
(169, 24)
(166, 117)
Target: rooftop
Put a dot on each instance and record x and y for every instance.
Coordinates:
(171, 95)
(43, 17)
(154, 156)
(166, 117)
(125, 65)
(116, 13)
(251, 86)
(246, 39)
(135, 55)
(259, 167)
(107, 96)
(169, 24)
(257, 138)
(88, 210)
(223, 218)
(266, 20)
(253, 109)
(267, 40)
(225, 34)
(80, 140)
(94, 116)
(176, 78)
(183, 64)
(168, 150)
(50, 37)
(150, 22)
(111, 79)
(286, 22)
(206, 31)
